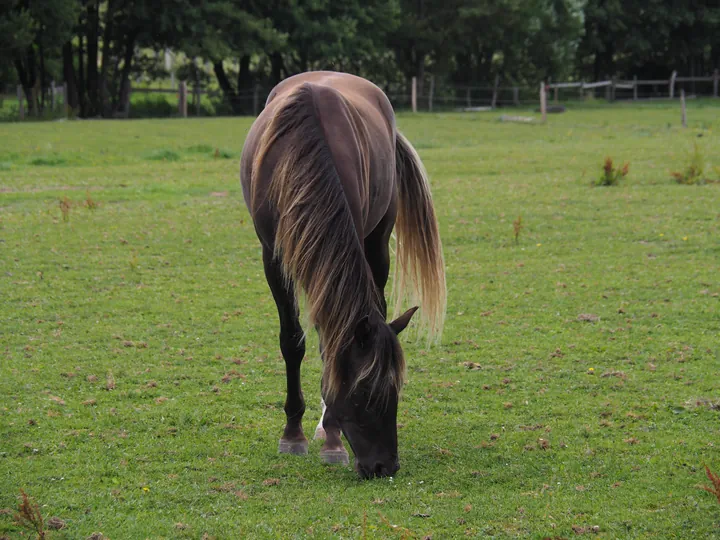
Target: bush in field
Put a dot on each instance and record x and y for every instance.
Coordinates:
(611, 175)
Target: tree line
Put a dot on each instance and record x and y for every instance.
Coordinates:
(96, 45)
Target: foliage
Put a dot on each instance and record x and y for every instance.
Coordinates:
(714, 487)
(100, 46)
(150, 320)
(29, 516)
(694, 173)
(611, 175)
(618, 40)
(517, 228)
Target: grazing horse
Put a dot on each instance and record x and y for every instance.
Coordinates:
(326, 175)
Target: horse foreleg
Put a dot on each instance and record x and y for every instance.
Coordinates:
(320, 430)
(333, 450)
(292, 345)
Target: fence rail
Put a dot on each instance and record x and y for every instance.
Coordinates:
(612, 85)
(430, 96)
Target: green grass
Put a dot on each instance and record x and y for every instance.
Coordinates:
(597, 332)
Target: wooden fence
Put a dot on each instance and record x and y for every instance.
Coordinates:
(430, 98)
(661, 88)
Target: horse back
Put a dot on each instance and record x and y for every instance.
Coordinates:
(359, 127)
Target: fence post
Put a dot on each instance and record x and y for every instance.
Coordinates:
(516, 96)
(672, 84)
(66, 107)
(467, 98)
(182, 99)
(431, 91)
(543, 102)
(413, 95)
(555, 95)
(495, 91)
(635, 92)
(716, 78)
(613, 82)
(256, 99)
(683, 111)
(21, 102)
(52, 96)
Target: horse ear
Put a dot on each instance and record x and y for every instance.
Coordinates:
(399, 324)
(362, 331)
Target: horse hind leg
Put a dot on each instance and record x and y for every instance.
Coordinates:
(292, 346)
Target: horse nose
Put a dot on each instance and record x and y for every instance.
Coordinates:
(382, 469)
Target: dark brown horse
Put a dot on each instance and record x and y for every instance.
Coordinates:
(326, 176)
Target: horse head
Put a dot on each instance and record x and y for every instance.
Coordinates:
(366, 403)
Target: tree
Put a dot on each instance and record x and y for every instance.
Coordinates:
(522, 40)
(224, 29)
(425, 32)
(649, 38)
(32, 33)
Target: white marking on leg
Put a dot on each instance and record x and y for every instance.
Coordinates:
(320, 430)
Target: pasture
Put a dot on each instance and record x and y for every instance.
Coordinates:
(576, 390)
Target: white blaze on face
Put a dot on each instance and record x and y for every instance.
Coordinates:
(319, 430)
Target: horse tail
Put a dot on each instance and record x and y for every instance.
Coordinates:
(420, 269)
(316, 240)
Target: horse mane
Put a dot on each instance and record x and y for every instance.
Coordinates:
(316, 239)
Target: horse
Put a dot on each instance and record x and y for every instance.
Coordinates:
(326, 176)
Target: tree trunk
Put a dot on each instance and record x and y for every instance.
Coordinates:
(82, 101)
(92, 57)
(245, 84)
(69, 74)
(43, 81)
(420, 71)
(226, 87)
(597, 67)
(276, 68)
(23, 77)
(105, 102)
(303, 63)
(124, 99)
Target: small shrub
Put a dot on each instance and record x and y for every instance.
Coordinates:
(200, 149)
(29, 517)
(65, 206)
(517, 228)
(221, 153)
(694, 173)
(152, 107)
(164, 155)
(714, 489)
(48, 161)
(90, 203)
(611, 175)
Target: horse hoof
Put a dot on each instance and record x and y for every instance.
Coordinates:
(296, 448)
(335, 456)
(319, 434)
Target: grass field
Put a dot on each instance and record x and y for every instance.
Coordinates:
(576, 391)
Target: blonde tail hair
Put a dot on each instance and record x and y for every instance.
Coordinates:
(420, 268)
